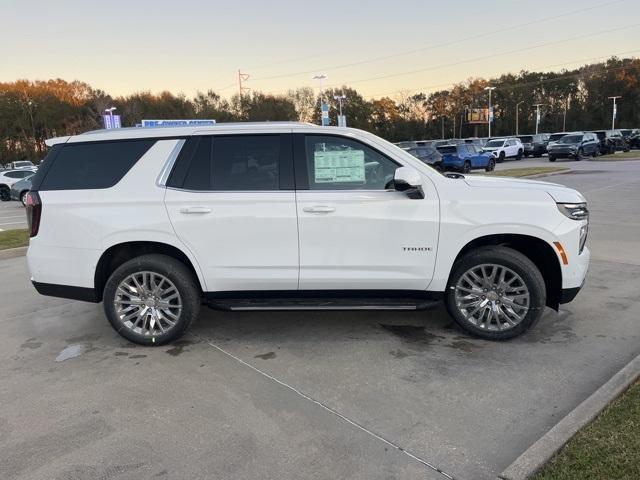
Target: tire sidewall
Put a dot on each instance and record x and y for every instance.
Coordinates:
(177, 273)
(518, 263)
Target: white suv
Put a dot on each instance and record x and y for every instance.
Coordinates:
(156, 221)
(502, 148)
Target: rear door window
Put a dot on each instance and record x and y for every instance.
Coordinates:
(96, 165)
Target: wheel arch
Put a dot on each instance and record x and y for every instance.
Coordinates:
(540, 252)
(119, 253)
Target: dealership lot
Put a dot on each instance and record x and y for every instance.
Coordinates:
(12, 216)
(312, 394)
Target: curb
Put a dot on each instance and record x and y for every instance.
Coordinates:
(13, 253)
(549, 174)
(538, 454)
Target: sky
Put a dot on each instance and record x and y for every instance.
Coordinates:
(379, 47)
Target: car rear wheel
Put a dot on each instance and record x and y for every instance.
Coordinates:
(151, 299)
(23, 197)
(491, 166)
(552, 158)
(501, 157)
(466, 166)
(495, 293)
(519, 155)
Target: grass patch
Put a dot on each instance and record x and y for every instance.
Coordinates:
(14, 238)
(609, 447)
(525, 172)
(614, 157)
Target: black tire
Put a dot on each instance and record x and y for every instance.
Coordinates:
(501, 157)
(178, 274)
(580, 154)
(519, 155)
(491, 166)
(23, 197)
(513, 260)
(466, 166)
(5, 194)
(552, 158)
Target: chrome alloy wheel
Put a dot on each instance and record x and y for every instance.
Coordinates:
(492, 297)
(147, 303)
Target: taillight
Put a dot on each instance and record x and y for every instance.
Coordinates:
(34, 211)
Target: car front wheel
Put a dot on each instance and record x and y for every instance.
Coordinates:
(501, 157)
(495, 293)
(466, 166)
(491, 166)
(151, 299)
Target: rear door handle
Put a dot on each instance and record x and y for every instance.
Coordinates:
(195, 210)
(319, 209)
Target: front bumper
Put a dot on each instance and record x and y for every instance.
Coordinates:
(568, 294)
(563, 153)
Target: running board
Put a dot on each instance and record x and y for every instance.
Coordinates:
(248, 304)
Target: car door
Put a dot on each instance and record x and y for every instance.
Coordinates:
(231, 201)
(355, 231)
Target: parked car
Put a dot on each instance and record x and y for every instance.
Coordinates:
(634, 139)
(428, 154)
(534, 145)
(475, 141)
(8, 178)
(275, 215)
(21, 164)
(625, 132)
(576, 146)
(465, 158)
(503, 148)
(611, 141)
(20, 189)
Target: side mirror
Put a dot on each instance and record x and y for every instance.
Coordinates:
(408, 180)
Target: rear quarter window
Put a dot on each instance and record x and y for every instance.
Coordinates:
(84, 166)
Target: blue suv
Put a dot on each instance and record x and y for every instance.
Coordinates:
(465, 157)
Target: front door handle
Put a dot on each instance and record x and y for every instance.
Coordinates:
(319, 209)
(195, 210)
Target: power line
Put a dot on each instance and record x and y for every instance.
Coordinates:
(518, 50)
(440, 45)
(449, 84)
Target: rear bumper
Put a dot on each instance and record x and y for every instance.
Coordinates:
(66, 291)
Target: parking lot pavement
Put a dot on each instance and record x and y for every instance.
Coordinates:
(544, 162)
(301, 395)
(12, 216)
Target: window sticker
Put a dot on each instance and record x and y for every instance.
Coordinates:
(343, 166)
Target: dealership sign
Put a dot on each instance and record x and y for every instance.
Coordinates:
(177, 123)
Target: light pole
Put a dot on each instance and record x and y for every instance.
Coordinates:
(490, 89)
(613, 117)
(538, 105)
(564, 119)
(517, 106)
(110, 110)
(321, 77)
(340, 99)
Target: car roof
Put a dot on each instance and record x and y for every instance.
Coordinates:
(131, 133)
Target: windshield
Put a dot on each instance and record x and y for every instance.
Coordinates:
(571, 139)
(556, 136)
(494, 143)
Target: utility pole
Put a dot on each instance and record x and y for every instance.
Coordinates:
(442, 119)
(490, 89)
(517, 106)
(564, 119)
(242, 77)
(613, 117)
(538, 105)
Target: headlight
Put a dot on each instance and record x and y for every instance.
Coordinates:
(574, 211)
(584, 231)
